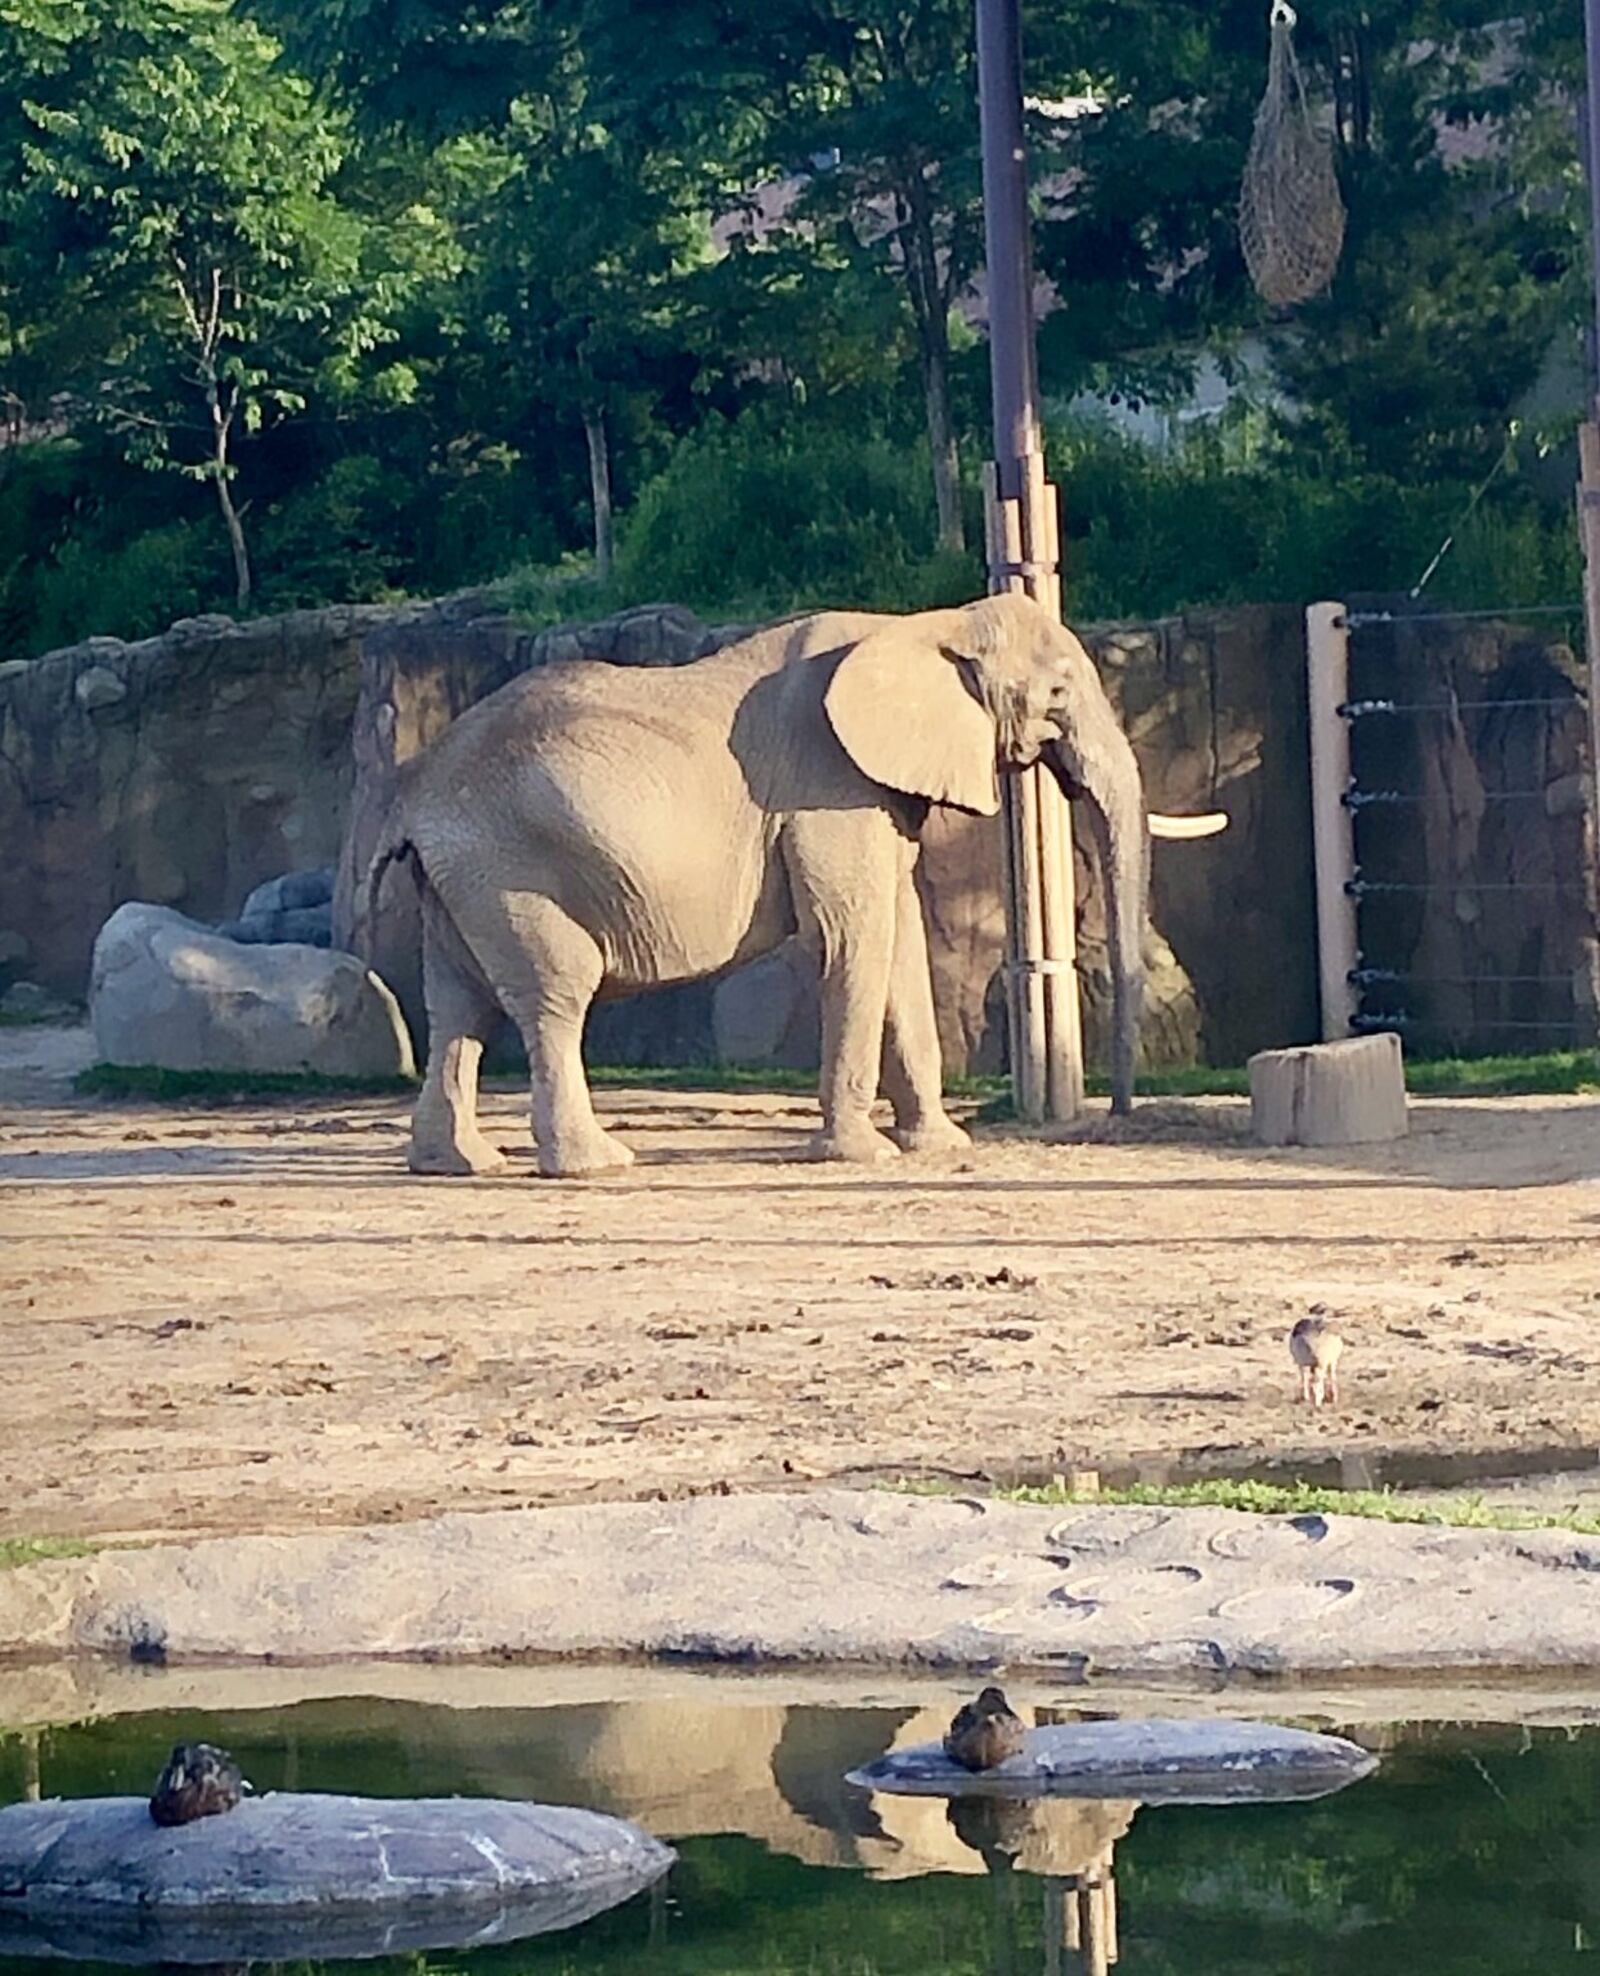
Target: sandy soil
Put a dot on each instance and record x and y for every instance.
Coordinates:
(254, 1318)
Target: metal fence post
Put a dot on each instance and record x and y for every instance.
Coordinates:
(1332, 824)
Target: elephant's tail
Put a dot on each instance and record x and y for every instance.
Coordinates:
(394, 846)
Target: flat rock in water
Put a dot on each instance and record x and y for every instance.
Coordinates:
(1156, 1761)
(301, 1876)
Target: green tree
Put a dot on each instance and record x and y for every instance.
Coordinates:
(849, 131)
(172, 170)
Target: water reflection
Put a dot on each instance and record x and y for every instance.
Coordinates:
(1471, 1850)
(1070, 1845)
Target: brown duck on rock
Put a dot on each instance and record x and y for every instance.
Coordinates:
(198, 1782)
(985, 1732)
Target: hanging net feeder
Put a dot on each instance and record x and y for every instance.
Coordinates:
(1291, 217)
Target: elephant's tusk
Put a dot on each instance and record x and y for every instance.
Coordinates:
(1185, 827)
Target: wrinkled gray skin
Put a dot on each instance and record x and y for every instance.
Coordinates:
(592, 830)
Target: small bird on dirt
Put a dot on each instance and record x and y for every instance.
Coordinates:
(985, 1732)
(1316, 1347)
(198, 1782)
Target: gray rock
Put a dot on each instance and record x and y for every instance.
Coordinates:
(167, 991)
(292, 1876)
(310, 926)
(1158, 1760)
(292, 892)
(99, 686)
(14, 948)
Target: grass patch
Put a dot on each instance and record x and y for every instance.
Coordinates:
(748, 1077)
(30, 1550)
(1304, 1499)
(220, 1087)
(1561, 1073)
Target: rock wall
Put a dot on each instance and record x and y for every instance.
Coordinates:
(181, 770)
(188, 769)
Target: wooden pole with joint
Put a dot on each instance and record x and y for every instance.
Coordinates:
(1022, 533)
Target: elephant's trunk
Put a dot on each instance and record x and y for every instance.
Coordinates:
(1107, 779)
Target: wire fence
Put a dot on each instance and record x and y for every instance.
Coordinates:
(1473, 882)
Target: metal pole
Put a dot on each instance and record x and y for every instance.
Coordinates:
(1591, 121)
(1008, 256)
(1589, 446)
(1041, 938)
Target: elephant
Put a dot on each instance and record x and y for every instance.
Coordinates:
(593, 831)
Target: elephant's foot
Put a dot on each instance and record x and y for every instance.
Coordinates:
(465, 1152)
(934, 1134)
(857, 1141)
(576, 1153)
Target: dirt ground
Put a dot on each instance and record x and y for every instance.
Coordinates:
(254, 1318)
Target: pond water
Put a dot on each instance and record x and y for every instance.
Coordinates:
(1474, 1850)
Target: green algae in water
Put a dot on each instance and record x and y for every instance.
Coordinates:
(1472, 1852)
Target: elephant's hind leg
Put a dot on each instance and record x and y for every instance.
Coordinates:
(462, 1014)
(548, 969)
(912, 1074)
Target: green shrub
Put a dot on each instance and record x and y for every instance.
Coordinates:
(94, 585)
(756, 518)
(1150, 532)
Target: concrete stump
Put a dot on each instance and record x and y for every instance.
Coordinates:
(1329, 1094)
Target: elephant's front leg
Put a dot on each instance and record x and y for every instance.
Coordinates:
(912, 1072)
(843, 876)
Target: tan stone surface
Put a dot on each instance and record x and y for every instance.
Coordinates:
(849, 1576)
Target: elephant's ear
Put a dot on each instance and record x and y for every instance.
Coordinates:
(900, 703)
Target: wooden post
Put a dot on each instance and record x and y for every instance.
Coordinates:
(1044, 1021)
(1027, 1023)
(1332, 824)
(32, 1769)
(1042, 986)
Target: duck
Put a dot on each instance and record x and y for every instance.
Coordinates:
(199, 1781)
(1316, 1346)
(985, 1732)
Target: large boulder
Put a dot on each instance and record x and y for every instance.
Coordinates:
(166, 991)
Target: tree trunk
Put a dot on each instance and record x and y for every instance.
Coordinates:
(942, 438)
(221, 426)
(594, 430)
(930, 308)
(241, 555)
